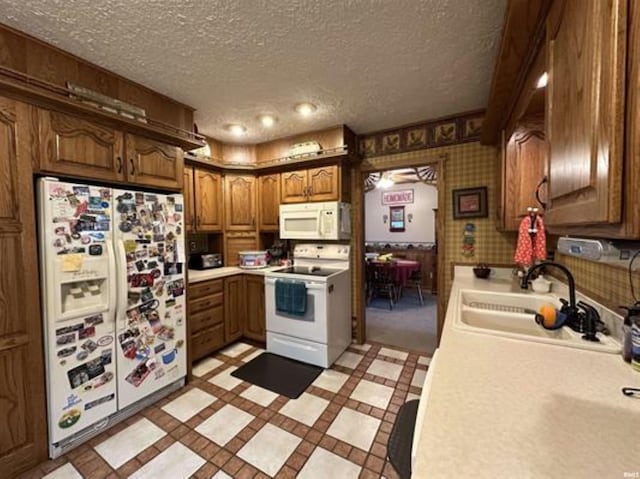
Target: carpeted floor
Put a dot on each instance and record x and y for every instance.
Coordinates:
(407, 325)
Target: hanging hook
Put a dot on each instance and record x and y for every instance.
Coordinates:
(544, 180)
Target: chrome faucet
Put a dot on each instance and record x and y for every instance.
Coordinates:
(581, 317)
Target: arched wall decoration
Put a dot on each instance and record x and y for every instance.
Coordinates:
(422, 174)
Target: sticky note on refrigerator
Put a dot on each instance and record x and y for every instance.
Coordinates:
(130, 246)
(71, 262)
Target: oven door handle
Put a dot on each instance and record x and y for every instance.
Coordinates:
(312, 286)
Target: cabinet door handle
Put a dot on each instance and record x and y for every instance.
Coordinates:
(310, 192)
(198, 221)
(253, 221)
(193, 222)
(119, 161)
(133, 166)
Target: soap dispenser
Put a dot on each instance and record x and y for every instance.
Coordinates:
(631, 335)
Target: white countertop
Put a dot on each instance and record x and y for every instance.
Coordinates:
(500, 407)
(196, 276)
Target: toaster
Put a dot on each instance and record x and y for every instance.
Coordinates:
(205, 261)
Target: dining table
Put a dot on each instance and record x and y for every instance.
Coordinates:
(400, 269)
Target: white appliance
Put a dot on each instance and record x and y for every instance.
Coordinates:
(317, 221)
(114, 303)
(323, 332)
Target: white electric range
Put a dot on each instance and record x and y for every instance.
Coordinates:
(323, 332)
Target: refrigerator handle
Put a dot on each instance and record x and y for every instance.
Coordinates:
(121, 274)
(113, 294)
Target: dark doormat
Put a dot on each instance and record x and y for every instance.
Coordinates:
(281, 375)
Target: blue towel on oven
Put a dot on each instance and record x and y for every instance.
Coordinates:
(291, 297)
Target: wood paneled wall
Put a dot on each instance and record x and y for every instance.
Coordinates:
(34, 57)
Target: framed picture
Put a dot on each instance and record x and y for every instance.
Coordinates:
(396, 222)
(470, 203)
(368, 146)
(445, 133)
(472, 128)
(417, 138)
(391, 143)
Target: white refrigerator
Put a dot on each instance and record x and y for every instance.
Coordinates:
(112, 274)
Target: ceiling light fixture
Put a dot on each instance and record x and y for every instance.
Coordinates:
(236, 129)
(306, 109)
(267, 120)
(543, 80)
(385, 181)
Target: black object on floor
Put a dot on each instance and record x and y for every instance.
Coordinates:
(281, 375)
(401, 439)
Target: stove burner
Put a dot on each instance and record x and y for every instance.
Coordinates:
(308, 271)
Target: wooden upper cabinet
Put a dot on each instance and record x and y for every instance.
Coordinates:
(294, 186)
(189, 205)
(73, 146)
(586, 48)
(23, 431)
(152, 163)
(269, 201)
(524, 169)
(315, 184)
(324, 183)
(240, 202)
(76, 147)
(238, 241)
(208, 200)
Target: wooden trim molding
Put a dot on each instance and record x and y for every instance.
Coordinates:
(522, 35)
(453, 130)
(359, 174)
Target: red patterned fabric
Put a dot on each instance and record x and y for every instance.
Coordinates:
(529, 249)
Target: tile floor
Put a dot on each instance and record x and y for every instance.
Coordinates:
(221, 427)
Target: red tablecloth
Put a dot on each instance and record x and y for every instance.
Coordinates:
(401, 269)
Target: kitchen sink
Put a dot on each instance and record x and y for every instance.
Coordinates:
(501, 314)
(523, 324)
(507, 301)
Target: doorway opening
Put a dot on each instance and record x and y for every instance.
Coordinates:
(401, 257)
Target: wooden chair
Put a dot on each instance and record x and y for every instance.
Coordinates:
(414, 281)
(380, 282)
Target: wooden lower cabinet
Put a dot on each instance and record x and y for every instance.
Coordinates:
(254, 326)
(222, 311)
(206, 318)
(23, 423)
(206, 342)
(234, 307)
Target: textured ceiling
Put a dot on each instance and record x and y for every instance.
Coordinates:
(372, 64)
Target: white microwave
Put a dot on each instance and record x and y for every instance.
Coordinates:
(317, 221)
